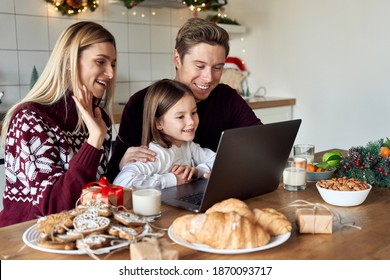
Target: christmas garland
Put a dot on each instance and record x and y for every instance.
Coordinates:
(219, 19)
(73, 7)
(204, 5)
(370, 163)
(131, 3)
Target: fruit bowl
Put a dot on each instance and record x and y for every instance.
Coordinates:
(343, 198)
(321, 175)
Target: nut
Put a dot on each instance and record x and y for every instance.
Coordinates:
(343, 184)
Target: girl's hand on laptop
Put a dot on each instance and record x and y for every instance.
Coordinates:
(206, 175)
(184, 173)
(133, 154)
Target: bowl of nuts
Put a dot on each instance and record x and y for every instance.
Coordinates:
(343, 191)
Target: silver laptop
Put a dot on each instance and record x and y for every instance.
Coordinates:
(249, 162)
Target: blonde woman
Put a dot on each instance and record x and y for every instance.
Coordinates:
(57, 139)
(170, 120)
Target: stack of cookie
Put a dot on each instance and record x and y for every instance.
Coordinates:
(92, 225)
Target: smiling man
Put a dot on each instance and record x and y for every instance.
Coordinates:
(199, 56)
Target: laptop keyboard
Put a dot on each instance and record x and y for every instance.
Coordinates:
(194, 198)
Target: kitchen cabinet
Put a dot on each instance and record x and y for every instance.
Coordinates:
(268, 109)
(276, 114)
(272, 109)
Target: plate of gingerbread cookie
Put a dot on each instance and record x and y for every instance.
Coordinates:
(31, 239)
(85, 230)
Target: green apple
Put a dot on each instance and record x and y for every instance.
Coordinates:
(333, 163)
(330, 156)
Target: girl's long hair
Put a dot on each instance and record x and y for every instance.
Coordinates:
(159, 98)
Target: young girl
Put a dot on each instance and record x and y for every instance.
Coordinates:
(56, 139)
(170, 120)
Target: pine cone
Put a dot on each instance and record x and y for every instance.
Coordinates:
(387, 161)
(354, 154)
(370, 160)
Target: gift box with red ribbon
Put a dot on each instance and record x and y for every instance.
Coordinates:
(102, 190)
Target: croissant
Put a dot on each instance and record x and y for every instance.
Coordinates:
(221, 230)
(233, 204)
(272, 221)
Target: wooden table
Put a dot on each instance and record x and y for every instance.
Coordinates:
(371, 242)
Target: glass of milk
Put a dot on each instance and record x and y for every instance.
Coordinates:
(294, 174)
(305, 151)
(146, 194)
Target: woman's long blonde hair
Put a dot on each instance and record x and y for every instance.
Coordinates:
(61, 72)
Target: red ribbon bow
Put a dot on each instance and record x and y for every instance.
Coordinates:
(104, 188)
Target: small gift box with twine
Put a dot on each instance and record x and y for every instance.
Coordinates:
(109, 194)
(314, 220)
(152, 248)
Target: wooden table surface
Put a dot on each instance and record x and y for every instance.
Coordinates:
(370, 242)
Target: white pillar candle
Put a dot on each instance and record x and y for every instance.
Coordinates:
(294, 176)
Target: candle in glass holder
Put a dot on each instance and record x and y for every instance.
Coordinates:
(294, 174)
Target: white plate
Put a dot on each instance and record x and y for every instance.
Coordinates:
(31, 236)
(275, 241)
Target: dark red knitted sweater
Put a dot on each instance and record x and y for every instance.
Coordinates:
(47, 163)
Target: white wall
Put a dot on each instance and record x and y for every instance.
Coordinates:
(333, 56)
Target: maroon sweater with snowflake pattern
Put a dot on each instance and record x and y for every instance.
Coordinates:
(47, 163)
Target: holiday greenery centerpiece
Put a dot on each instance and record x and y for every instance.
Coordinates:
(131, 3)
(205, 5)
(370, 163)
(73, 7)
(218, 18)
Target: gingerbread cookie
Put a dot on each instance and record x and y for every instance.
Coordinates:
(128, 218)
(57, 245)
(70, 235)
(54, 224)
(95, 207)
(92, 242)
(89, 223)
(126, 232)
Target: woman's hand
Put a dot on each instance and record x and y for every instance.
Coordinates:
(184, 173)
(133, 154)
(93, 120)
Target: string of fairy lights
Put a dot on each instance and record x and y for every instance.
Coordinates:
(74, 7)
